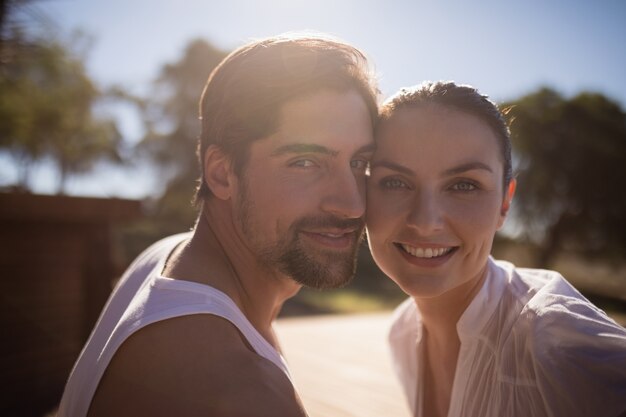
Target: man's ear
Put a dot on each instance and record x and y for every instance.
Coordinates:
(217, 172)
(506, 201)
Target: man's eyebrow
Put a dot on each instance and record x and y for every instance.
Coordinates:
(467, 167)
(370, 147)
(303, 148)
(392, 166)
(315, 148)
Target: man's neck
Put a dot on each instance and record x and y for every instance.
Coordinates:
(214, 256)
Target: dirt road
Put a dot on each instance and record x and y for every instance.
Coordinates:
(341, 365)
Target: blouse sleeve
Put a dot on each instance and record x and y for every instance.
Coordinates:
(580, 359)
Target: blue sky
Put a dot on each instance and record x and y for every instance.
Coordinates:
(506, 49)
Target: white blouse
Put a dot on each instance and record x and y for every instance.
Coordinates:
(531, 345)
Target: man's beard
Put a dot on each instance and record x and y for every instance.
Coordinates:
(310, 266)
(314, 267)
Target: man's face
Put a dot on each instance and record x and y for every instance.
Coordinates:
(301, 196)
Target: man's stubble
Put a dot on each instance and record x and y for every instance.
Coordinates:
(310, 266)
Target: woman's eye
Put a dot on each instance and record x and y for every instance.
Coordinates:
(464, 186)
(393, 184)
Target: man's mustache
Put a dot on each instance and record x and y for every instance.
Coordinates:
(329, 222)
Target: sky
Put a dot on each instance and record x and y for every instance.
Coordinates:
(505, 49)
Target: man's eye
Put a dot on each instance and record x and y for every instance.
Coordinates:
(303, 163)
(393, 184)
(464, 186)
(360, 164)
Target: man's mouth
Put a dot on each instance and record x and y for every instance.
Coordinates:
(335, 231)
(426, 252)
(338, 239)
(334, 235)
(331, 232)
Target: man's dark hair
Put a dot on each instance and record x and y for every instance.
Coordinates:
(244, 94)
(460, 97)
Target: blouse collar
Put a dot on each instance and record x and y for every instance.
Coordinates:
(484, 304)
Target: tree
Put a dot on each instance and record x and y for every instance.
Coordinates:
(572, 162)
(47, 105)
(173, 126)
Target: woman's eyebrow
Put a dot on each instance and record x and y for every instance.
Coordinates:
(451, 171)
(467, 167)
(393, 166)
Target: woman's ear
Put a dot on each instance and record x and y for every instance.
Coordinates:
(506, 201)
(217, 172)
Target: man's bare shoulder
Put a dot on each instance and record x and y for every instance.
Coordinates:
(192, 365)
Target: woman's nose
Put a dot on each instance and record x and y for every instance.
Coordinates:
(426, 214)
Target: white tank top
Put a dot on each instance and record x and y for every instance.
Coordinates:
(143, 297)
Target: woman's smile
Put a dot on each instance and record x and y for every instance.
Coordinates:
(429, 257)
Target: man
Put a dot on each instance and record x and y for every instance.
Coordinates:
(285, 143)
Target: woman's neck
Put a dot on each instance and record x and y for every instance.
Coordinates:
(441, 343)
(441, 314)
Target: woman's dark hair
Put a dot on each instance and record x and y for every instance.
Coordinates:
(244, 94)
(460, 97)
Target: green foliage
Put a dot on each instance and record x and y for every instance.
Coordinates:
(172, 122)
(46, 108)
(572, 159)
(170, 116)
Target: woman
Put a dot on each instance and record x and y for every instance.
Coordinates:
(477, 337)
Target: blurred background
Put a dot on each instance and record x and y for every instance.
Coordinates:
(98, 125)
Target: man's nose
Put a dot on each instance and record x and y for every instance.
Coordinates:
(346, 196)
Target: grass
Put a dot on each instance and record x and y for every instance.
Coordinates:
(347, 300)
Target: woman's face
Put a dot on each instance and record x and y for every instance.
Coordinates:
(435, 199)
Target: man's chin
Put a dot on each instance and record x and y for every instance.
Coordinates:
(319, 267)
(331, 272)
(324, 284)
